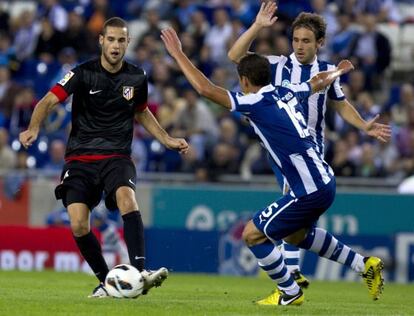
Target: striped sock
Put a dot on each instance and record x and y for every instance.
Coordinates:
(292, 255)
(271, 261)
(325, 245)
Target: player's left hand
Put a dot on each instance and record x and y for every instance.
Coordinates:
(171, 41)
(382, 132)
(178, 144)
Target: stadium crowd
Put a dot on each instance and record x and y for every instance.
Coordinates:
(45, 39)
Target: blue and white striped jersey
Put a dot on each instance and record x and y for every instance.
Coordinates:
(287, 71)
(274, 115)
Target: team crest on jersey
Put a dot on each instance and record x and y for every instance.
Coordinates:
(128, 92)
(285, 83)
(66, 78)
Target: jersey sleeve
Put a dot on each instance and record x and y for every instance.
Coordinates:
(240, 102)
(335, 91)
(141, 97)
(68, 84)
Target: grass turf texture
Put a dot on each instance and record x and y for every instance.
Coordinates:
(51, 293)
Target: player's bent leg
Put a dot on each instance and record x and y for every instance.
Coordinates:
(292, 254)
(271, 260)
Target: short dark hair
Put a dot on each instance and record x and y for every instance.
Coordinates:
(114, 22)
(311, 21)
(256, 68)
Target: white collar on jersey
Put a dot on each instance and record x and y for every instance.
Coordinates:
(296, 61)
(265, 89)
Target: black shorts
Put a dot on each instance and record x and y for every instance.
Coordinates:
(84, 182)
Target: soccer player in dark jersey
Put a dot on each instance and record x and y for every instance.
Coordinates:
(108, 94)
(275, 115)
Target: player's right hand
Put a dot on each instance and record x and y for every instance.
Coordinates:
(265, 17)
(171, 41)
(28, 137)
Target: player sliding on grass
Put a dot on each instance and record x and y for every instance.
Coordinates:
(307, 38)
(273, 113)
(108, 95)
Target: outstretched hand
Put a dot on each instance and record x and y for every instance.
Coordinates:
(171, 41)
(379, 131)
(265, 17)
(345, 66)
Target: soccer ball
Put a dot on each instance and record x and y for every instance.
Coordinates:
(125, 281)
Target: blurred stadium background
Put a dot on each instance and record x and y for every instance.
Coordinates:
(194, 206)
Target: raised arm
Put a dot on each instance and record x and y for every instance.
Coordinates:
(264, 18)
(41, 111)
(325, 78)
(150, 123)
(199, 82)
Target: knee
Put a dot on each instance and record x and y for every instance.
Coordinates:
(79, 228)
(296, 238)
(251, 235)
(127, 204)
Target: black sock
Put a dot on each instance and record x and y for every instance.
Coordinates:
(92, 252)
(134, 238)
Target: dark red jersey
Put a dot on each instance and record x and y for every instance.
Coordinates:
(103, 107)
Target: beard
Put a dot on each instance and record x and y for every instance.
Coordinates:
(112, 60)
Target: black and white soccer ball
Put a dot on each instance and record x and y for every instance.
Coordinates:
(124, 281)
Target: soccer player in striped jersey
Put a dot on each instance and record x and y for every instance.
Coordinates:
(308, 36)
(273, 114)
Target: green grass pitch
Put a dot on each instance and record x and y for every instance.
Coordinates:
(51, 293)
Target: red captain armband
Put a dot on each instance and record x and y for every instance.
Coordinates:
(141, 107)
(59, 92)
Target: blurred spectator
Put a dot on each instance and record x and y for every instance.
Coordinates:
(219, 36)
(23, 105)
(7, 155)
(183, 12)
(328, 13)
(4, 20)
(56, 156)
(78, 37)
(341, 165)
(356, 84)
(198, 27)
(27, 31)
(8, 91)
(222, 161)
(370, 165)
(366, 106)
(242, 11)
(371, 51)
(196, 123)
(101, 11)
(342, 39)
(400, 110)
(7, 52)
(170, 108)
(385, 10)
(55, 13)
(49, 43)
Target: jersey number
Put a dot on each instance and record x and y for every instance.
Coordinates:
(296, 117)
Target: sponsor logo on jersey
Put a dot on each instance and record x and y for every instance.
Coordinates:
(128, 92)
(66, 78)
